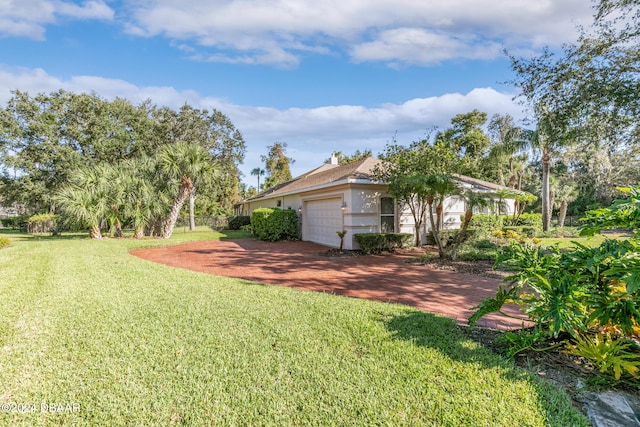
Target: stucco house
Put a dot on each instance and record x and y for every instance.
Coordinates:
(337, 197)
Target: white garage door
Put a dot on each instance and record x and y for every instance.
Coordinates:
(324, 219)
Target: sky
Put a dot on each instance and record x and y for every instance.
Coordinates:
(318, 75)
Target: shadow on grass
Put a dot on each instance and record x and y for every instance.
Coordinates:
(441, 334)
(18, 235)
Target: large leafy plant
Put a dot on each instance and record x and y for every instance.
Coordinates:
(589, 297)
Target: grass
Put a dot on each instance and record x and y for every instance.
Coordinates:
(136, 343)
(568, 242)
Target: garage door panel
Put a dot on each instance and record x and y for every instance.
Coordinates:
(324, 219)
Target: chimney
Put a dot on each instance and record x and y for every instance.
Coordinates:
(334, 159)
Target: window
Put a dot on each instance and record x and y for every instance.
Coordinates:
(387, 215)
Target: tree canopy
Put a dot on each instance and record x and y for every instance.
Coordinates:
(51, 144)
(43, 138)
(277, 164)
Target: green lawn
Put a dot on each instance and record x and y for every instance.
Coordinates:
(125, 342)
(568, 242)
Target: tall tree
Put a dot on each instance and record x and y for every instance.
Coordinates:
(508, 151)
(592, 84)
(277, 165)
(258, 172)
(49, 135)
(44, 138)
(183, 165)
(406, 171)
(468, 140)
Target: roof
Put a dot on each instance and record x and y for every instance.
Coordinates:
(481, 185)
(322, 176)
(330, 174)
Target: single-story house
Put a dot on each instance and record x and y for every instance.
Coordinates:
(336, 197)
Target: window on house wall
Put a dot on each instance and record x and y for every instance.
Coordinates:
(387, 215)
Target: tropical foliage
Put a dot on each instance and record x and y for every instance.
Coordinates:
(48, 137)
(588, 297)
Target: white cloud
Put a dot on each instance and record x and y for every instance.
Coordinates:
(311, 133)
(418, 46)
(88, 10)
(29, 18)
(397, 31)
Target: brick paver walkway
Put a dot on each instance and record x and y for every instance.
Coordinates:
(386, 278)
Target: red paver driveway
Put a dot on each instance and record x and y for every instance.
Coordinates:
(386, 278)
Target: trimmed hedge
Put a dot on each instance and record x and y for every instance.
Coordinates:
(273, 224)
(237, 222)
(490, 222)
(482, 225)
(375, 243)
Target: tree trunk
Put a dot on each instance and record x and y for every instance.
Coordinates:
(94, 232)
(118, 229)
(436, 233)
(546, 209)
(418, 242)
(138, 233)
(185, 189)
(439, 210)
(192, 205)
(463, 232)
(562, 213)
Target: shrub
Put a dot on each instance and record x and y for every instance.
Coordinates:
(4, 242)
(375, 243)
(237, 222)
(588, 298)
(273, 224)
(525, 230)
(41, 223)
(449, 236)
(532, 220)
(11, 222)
(483, 225)
(478, 250)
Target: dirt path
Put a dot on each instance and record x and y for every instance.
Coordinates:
(386, 278)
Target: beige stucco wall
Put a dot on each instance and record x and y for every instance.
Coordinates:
(362, 211)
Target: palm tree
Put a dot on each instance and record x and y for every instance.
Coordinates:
(509, 147)
(258, 172)
(84, 199)
(182, 164)
(565, 193)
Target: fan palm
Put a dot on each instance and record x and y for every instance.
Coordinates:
(182, 165)
(84, 199)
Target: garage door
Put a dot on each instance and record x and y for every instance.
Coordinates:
(324, 219)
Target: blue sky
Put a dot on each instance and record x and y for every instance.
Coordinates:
(320, 75)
